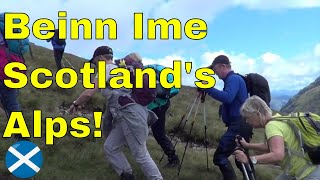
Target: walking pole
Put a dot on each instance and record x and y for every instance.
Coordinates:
(68, 62)
(185, 122)
(177, 127)
(185, 148)
(244, 169)
(205, 126)
(63, 65)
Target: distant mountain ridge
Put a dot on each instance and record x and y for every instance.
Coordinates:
(307, 99)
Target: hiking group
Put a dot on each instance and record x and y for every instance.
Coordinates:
(291, 141)
(129, 113)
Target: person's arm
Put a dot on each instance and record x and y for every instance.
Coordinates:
(276, 154)
(50, 39)
(262, 147)
(85, 96)
(229, 92)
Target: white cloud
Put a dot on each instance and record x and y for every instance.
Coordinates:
(281, 72)
(187, 79)
(270, 58)
(239, 62)
(276, 4)
(123, 14)
(317, 50)
(294, 73)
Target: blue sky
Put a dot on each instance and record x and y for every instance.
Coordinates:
(278, 39)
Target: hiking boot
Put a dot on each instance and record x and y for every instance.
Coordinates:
(127, 176)
(173, 163)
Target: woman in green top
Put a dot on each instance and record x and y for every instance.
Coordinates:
(279, 137)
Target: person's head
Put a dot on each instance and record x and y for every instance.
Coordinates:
(130, 58)
(256, 112)
(134, 56)
(221, 66)
(102, 53)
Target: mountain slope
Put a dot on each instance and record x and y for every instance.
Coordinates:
(308, 99)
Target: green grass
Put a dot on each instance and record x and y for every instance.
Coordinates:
(73, 158)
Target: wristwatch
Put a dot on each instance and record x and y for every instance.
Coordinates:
(253, 160)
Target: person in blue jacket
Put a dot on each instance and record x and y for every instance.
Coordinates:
(232, 97)
(58, 48)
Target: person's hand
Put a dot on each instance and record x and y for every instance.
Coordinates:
(200, 90)
(242, 141)
(205, 82)
(240, 156)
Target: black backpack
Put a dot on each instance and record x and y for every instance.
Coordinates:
(257, 85)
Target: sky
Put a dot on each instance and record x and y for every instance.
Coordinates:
(277, 39)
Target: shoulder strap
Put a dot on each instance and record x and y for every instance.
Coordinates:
(313, 123)
(295, 129)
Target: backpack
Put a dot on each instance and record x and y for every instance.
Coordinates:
(257, 85)
(162, 92)
(16, 46)
(61, 41)
(306, 127)
(142, 96)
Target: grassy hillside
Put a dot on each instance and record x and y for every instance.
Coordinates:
(307, 99)
(72, 158)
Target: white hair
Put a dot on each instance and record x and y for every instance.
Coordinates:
(255, 105)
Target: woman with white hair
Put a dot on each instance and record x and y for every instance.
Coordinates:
(280, 137)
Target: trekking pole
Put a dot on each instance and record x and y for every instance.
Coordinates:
(244, 169)
(185, 148)
(203, 97)
(177, 127)
(63, 64)
(186, 120)
(68, 62)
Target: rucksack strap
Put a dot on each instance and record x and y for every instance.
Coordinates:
(313, 123)
(296, 132)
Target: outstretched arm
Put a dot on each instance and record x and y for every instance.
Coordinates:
(85, 96)
(262, 147)
(229, 92)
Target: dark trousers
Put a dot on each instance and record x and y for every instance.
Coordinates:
(158, 130)
(58, 53)
(227, 145)
(9, 100)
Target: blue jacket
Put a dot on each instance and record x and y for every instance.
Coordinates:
(54, 43)
(232, 97)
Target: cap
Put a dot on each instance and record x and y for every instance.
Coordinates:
(102, 50)
(221, 59)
